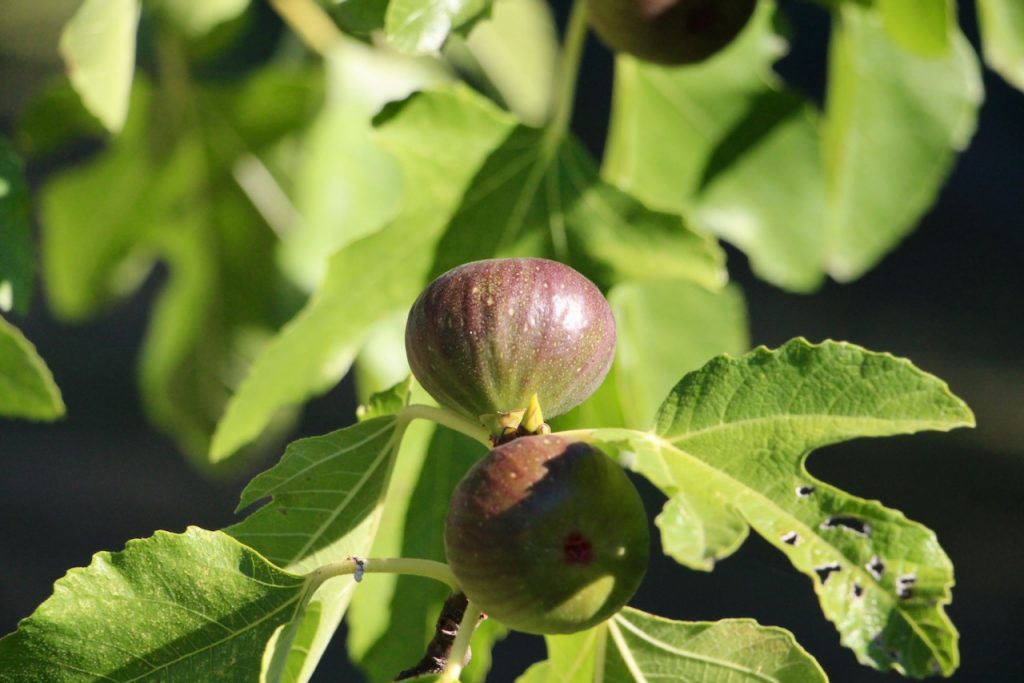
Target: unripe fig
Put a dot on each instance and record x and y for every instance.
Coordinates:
(670, 32)
(547, 535)
(486, 336)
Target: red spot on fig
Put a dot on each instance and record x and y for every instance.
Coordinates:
(578, 549)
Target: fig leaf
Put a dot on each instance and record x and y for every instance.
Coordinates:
(636, 646)
(728, 447)
(27, 388)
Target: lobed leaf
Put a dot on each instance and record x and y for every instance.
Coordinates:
(635, 646)
(197, 606)
(27, 388)
(98, 46)
(17, 260)
(1002, 38)
(728, 447)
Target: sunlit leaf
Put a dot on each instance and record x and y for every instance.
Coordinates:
(27, 388)
(421, 26)
(634, 646)
(1002, 33)
(16, 250)
(98, 46)
(197, 18)
(889, 109)
(197, 606)
(922, 26)
(373, 277)
(665, 329)
(728, 448)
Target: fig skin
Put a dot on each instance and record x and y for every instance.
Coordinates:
(486, 336)
(547, 535)
(669, 32)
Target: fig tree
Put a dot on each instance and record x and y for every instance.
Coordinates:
(547, 535)
(486, 336)
(670, 32)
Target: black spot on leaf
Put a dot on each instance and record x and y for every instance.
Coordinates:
(854, 524)
(858, 591)
(826, 570)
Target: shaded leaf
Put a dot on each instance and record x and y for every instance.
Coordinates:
(16, 251)
(27, 388)
(888, 108)
(173, 607)
(98, 46)
(376, 275)
(1002, 34)
(635, 646)
(728, 447)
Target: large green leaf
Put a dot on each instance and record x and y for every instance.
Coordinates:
(893, 109)
(922, 26)
(378, 274)
(728, 447)
(422, 26)
(721, 142)
(27, 388)
(634, 646)
(189, 607)
(98, 46)
(1002, 34)
(16, 255)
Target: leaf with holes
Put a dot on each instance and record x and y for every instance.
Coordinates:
(197, 606)
(634, 646)
(728, 448)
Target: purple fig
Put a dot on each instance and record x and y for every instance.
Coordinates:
(486, 336)
(669, 32)
(547, 535)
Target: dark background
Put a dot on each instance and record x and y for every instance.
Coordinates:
(949, 298)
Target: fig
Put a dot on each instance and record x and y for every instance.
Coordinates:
(669, 32)
(486, 336)
(547, 535)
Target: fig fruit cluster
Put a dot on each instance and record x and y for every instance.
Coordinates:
(669, 32)
(546, 534)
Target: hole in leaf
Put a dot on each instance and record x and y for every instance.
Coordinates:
(876, 566)
(858, 591)
(804, 491)
(792, 538)
(854, 524)
(826, 570)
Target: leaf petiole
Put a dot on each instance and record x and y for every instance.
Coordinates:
(446, 418)
(358, 566)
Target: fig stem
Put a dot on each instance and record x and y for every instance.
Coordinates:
(470, 619)
(449, 419)
(568, 69)
(310, 22)
(358, 566)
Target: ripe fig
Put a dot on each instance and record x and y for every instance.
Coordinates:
(486, 336)
(670, 32)
(547, 535)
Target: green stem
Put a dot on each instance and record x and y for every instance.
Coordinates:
(449, 419)
(310, 22)
(430, 569)
(461, 645)
(568, 71)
